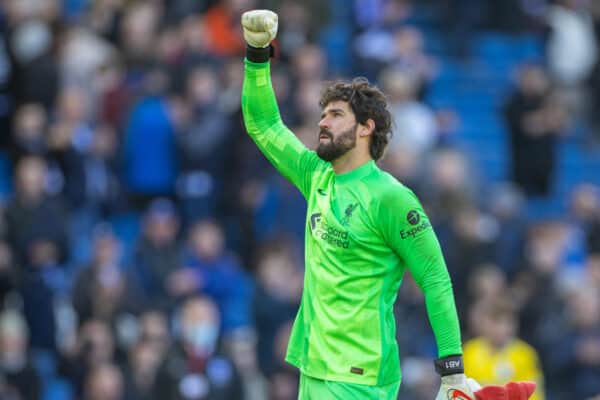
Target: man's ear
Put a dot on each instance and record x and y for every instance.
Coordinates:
(367, 128)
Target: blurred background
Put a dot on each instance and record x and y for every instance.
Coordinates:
(149, 251)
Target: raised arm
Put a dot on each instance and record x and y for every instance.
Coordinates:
(259, 106)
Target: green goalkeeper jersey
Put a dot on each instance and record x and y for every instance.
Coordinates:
(363, 230)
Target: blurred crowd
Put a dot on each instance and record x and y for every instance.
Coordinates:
(149, 251)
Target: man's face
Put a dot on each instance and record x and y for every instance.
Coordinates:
(337, 131)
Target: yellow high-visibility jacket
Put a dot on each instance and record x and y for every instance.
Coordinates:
(517, 361)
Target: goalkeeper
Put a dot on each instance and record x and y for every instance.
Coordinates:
(364, 229)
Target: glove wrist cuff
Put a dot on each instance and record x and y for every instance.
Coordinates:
(259, 54)
(449, 365)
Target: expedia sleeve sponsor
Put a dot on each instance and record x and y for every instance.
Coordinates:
(414, 231)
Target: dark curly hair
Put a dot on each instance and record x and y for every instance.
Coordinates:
(366, 102)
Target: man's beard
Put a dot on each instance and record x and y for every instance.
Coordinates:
(335, 148)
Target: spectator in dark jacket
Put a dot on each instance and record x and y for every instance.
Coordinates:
(20, 379)
(31, 214)
(534, 120)
(203, 146)
(276, 299)
(195, 368)
(104, 382)
(29, 132)
(573, 348)
(43, 282)
(9, 271)
(93, 348)
(158, 253)
(103, 290)
(36, 72)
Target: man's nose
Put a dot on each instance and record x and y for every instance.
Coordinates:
(324, 123)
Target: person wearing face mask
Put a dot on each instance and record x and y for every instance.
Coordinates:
(195, 368)
(18, 377)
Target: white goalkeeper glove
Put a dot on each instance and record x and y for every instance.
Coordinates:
(457, 387)
(260, 27)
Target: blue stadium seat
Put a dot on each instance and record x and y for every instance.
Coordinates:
(58, 389)
(6, 186)
(529, 48)
(127, 228)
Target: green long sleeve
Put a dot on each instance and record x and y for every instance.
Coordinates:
(264, 125)
(408, 231)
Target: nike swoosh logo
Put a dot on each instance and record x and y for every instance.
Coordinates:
(321, 192)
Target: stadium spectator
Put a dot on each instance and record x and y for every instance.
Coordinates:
(29, 136)
(102, 17)
(31, 204)
(43, 282)
(376, 22)
(485, 283)
(196, 366)
(104, 382)
(9, 272)
(284, 378)
(92, 187)
(448, 185)
(150, 154)
(593, 234)
(592, 270)
(574, 352)
(534, 120)
(498, 355)
(93, 348)
(408, 56)
(102, 290)
(222, 26)
(585, 206)
(153, 327)
(158, 253)
(114, 94)
(138, 26)
(276, 298)
(70, 142)
(415, 123)
(140, 374)
(36, 74)
(82, 54)
(210, 269)
(241, 348)
(202, 146)
(20, 379)
(572, 50)
(506, 207)
(309, 63)
(296, 22)
(537, 286)
(411, 309)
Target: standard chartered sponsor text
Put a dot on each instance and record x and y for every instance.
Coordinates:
(332, 235)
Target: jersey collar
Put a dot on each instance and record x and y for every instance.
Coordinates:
(357, 173)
